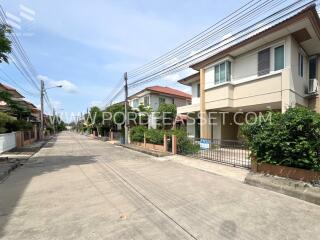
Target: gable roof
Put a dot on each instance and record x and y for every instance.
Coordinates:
(11, 90)
(308, 12)
(169, 91)
(165, 90)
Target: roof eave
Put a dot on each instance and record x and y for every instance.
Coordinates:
(188, 80)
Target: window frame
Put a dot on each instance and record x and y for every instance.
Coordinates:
(136, 100)
(144, 101)
(300, 64)
(160, 100)
(266, 71)
(316, 67)
(227, 72)
(274, 57)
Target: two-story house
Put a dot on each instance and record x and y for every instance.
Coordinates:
(276, 68)
(153, 96)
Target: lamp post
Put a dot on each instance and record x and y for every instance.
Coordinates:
(42, 91)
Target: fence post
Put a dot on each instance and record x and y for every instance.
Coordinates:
(144, 141)
(165, 143)
(174, 144)
(129, 137)
(111, 135)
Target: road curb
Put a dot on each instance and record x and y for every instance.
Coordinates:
(293, 188)
(152, 153)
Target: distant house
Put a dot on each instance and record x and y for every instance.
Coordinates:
(276, 68)
(19, 98)
(15, 95)
(153, 96)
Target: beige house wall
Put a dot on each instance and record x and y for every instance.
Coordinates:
(283, 89)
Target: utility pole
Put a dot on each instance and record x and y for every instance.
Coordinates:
(42, 109)
(54, 120)
(126, 120)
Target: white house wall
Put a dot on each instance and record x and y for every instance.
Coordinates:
(194, 91)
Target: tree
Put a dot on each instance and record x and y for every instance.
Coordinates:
(144, 113)
(95, 118)
(16, 109)
(117, 113)
(4, 120)
(5, 43)
(167, 114)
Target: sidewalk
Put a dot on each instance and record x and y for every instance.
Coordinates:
(238, 174)
(16, 157)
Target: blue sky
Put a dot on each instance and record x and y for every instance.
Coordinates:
(87, 45)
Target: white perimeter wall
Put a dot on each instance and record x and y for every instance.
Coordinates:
(7, 141)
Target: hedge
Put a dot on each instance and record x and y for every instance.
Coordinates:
(290, 139)
(155, 136)
(137, 133)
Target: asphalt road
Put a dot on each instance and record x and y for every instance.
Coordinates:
(78, 188)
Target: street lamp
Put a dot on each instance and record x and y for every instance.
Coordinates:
(42, 91)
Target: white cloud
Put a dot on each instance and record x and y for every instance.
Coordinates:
(66, 84)
(109, 26)
(173, 77)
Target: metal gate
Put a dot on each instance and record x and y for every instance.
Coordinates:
(230, 152)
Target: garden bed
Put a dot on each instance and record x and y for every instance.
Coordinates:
(150, 146)
(286, 172)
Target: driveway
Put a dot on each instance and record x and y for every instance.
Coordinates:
(78, 188)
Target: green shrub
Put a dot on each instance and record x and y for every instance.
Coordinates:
(289, 139)
(19, 125)
(137, 133)
(154, 136)
(4, 120)
(184, 144)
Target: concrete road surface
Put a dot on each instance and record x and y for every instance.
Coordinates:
(78, 188)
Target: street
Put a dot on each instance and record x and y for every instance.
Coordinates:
(80, 188)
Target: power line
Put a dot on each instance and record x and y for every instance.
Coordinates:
(18, 55)
(13, 82)
(219, 32)
(235, 17)
(201, 35)
(205, 52)
(21, 60)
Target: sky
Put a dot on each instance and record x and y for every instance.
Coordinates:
(86, 46)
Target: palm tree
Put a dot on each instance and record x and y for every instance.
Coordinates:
(5, 43)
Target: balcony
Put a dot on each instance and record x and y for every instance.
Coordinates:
(189, 108)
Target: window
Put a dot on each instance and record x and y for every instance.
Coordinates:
(222, 72)
(198, 90)
(279, 58)
(300, 65)
(146, 101)
(135, 103)
(313, 68)
(161, 100)
(264, 62)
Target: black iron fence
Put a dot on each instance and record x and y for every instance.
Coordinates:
(230, 152)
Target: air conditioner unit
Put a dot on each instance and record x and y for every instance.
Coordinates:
(313, 86)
